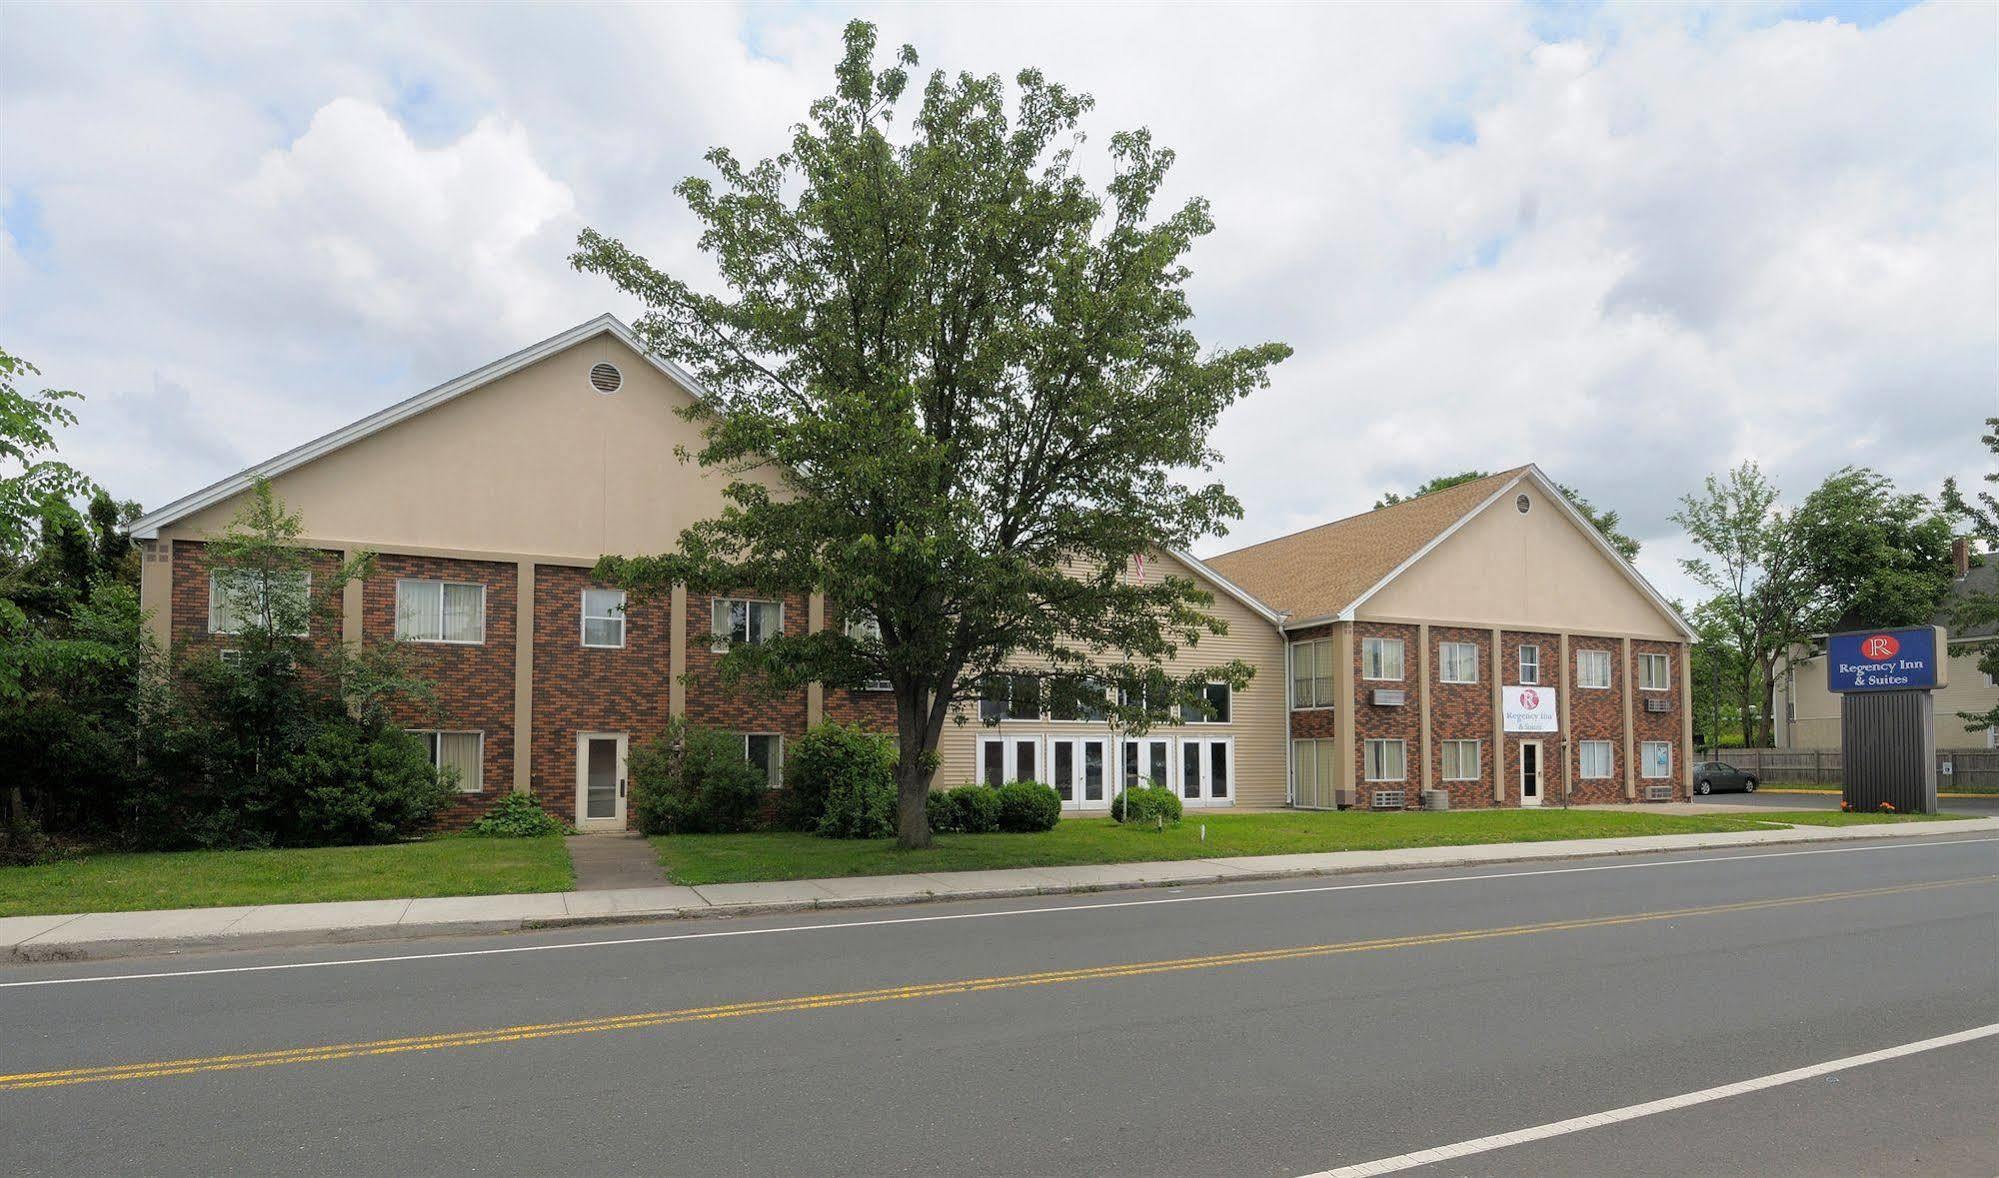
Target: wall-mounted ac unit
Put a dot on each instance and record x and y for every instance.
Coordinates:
(1389, 697)
(1390, 799)
(1658, 793)
(1658, 705)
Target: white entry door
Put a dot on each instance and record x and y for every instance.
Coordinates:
(1010, 758)
(1147, 760)
(1530, 773)
(600, 781)
(1207, 771)
(1079, 769)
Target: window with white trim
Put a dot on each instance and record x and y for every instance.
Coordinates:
(230, 590)
(1594, 759)
(1655, 759)
(1381, 658)
(1217, 712)
(440, 611)
(1655, 672)
(1312, 673)
(863, 628)
(1461, 760)
(1592, 668)
(1457, 662)
(604, 618)
(461, 753)
(1386, 760)
(739, 619)
(1010, 697)
(1530, 665)
(1075, 700)
(765, 750)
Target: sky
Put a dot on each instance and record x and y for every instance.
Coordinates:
(1632, 243)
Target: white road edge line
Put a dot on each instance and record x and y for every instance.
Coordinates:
(949, 916)
(1632, 1112)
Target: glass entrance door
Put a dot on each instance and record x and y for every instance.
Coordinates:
(1207, 770)
(1077, 770)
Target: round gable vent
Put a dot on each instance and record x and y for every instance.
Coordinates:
(1522, 504)
(606, 378)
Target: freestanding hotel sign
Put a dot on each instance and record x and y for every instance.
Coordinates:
(1886, 718)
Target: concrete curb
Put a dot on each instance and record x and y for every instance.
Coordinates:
(34, 949)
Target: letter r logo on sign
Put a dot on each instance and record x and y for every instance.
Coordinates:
(1880, 648)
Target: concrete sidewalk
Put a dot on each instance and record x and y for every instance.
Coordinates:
(89, 936)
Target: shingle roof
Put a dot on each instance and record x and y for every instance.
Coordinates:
(1320, 571)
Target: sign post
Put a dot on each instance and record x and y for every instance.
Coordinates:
(1887, 721)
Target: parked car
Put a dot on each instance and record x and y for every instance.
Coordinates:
(1710, 776)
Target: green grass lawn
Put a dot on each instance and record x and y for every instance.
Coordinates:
(209, 879)
(1944, 788)
(729, 858)
(1839, 818)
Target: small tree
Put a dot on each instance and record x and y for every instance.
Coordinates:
(1972, 609)
(969, 385)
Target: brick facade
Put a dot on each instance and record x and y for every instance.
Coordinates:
(742, 705)
(1666, 725)
(1507, 669)
(1313, 723)
(1596, 713)
(1462, 711)
(1403, 722)
(189, 596)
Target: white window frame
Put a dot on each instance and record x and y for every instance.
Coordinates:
(1194, 715)
(440, 585)
(774, 775)
(433, 739)
(1086, 688)
(719, 609)
(1376, 768)
(617, 615)
(1645, 757)
(1458, 746)
(1645, 661)
(1608, 750)
(1450, 662)
(1010, 746)
(1374, 657)
(215, 602)
(861, 627)
(1530, 668)
(1588, 657)
(1312, 650)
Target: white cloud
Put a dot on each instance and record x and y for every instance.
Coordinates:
(1634, 249)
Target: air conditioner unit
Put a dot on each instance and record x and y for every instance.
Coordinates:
(1388, 697)
(1391, 799)
(1658, 705)
(1658, 793)
(1436, 799)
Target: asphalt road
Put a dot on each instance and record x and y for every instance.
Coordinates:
(1984, 806)
(1261, 1029)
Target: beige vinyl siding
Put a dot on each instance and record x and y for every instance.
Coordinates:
(1257, 718)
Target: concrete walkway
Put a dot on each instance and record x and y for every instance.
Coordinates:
(614, 862)
(118, 934)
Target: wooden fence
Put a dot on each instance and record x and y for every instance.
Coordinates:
(1956, 768)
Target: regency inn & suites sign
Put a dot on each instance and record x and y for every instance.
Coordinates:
(1905, 659)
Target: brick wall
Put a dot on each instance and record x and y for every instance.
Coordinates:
(1507, 668)
(189, 600)
(1596, 713)
(474, 682)
(1319, 723)
(580, 688)
(1462, 711)
(1372, 722)
(742, 705)
(1665, 725)
(870, 709)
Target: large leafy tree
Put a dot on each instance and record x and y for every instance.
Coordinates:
(1974, 609)
(955, 386)
(1605, 522)
(1877, 556)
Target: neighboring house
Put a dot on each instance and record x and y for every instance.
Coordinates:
(489, 498)
(1808, 710)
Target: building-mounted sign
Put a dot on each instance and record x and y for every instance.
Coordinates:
(1529, 709)
(1908, 659)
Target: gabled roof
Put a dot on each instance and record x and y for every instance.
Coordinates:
(1326, 573)
(148, 526)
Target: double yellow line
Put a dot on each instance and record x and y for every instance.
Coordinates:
(329, 1052)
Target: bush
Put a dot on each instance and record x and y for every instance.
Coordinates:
(1026, 806)
(835, 777)
(1146, 805)
(694, 780)
(942, 814)
(517, 816)
(353, 784)
(975, 808)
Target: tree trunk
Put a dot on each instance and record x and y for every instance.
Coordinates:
(1769, 722)
(912, 779)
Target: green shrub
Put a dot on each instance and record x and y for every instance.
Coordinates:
(351, 784)
(943, 815)
(975, 808)
(695, 780)
(1026, 806)
(839, 767)
(1146, 805)
(860, 808)
(517, 816)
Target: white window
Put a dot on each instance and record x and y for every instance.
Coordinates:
(1655, 672)
(1595, 758)
(462, 752)
(862, 628)
(1461, 760)
(1381, 658)
(604, 617)
(440, 611)
(1530, 664)
(1655, 759)
(1592, 668)
(1312, 674)
(1457, 662)
(1217, 711)
(229, 590)
(765, 750)
(1385, 760)
(740, 620)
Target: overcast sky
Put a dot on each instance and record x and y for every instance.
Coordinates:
(1632, 244)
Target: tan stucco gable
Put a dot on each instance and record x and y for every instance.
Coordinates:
(535, 461)
(1537, 571)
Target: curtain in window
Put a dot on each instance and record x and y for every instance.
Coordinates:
(460, 751)
(416, 610)
(464, 613)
